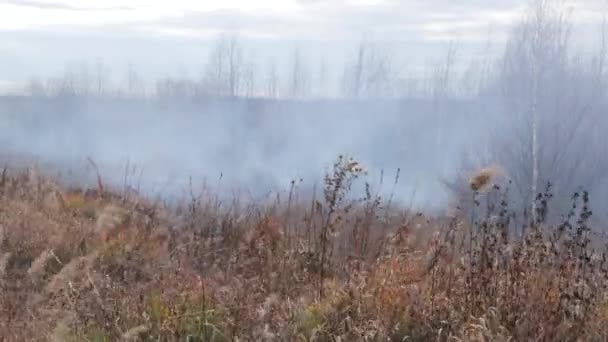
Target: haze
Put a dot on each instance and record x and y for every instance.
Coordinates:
(164, 38)
(263, 92)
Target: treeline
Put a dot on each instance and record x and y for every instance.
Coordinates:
(548, 97)
(230, 70)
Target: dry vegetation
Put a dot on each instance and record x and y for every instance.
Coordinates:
(94, 265)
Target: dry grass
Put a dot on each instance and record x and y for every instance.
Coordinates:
(93, 266)
(482, 179)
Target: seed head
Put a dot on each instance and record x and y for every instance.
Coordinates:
(481, 179)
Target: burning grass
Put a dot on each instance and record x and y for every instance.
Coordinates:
(96, 266)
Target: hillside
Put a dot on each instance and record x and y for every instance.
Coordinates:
(104, 265)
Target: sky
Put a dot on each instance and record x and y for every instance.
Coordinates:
(42, 37)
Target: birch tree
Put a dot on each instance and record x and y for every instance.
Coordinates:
(549, 117)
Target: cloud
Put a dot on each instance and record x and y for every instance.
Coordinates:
(339, 20)
(50, 5)
(160, 35)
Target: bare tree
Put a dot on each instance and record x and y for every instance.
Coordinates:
(353, 78)
(322, 89)
(101, 77)
(478, 75)
(36, 88)
(249, 83)
(298, 81)
(549, 122)
(371, 74)
(65, 84)
(272, 80)
(225, 67)
(175, 88)
(234, 65)
(536, 52)
(551, 108)
(135, 84)
(84, 81)
(381, 78)
(441, 92)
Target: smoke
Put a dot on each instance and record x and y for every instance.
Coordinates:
(536, 110)
(255, 145)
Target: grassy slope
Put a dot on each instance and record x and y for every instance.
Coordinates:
(98, 266)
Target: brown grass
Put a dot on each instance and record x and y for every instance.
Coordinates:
(333, 268)
(482, 178)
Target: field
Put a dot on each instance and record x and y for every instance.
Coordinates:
(103, 264)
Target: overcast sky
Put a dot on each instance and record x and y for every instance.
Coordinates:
(41, 37)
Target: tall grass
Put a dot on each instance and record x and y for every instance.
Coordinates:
(97, 265)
